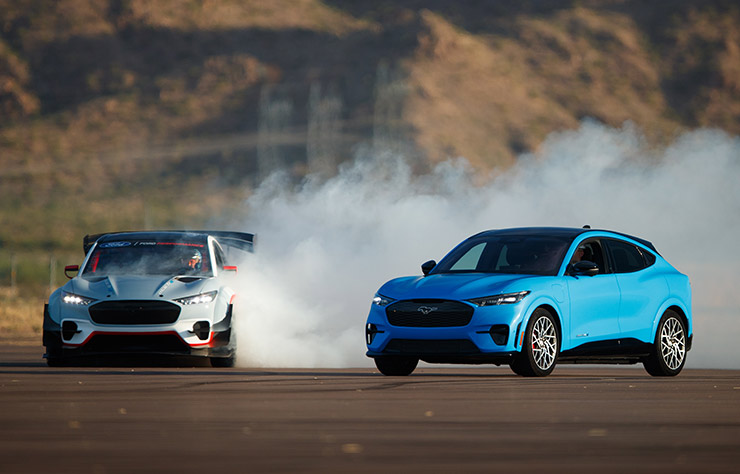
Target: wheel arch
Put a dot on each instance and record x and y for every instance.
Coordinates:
(684, 318)
(683, 313)
(552, 309)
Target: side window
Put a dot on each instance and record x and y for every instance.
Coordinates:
(592, 251)
(220, 260)
(626, 257)
(649, 258)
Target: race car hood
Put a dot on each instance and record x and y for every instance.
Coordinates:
(138, 287)
(460, 286)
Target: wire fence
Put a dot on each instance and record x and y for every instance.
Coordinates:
(35, 274)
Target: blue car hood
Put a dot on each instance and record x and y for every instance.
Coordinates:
(138, 287)
(458, 286)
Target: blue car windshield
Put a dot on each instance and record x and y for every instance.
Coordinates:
(525, 255)
(134, 257)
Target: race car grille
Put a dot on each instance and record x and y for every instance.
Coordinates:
(435, 346)
(134, 312)
(429, 313)
(136, 343)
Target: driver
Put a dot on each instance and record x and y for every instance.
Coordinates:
(578, 254)
(192, 261)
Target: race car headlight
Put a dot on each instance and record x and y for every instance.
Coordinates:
(381, 300)
(507, 298)
(71, 298)
(198, 299)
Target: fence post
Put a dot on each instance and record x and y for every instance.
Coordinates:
(52, 272)
(13, 270)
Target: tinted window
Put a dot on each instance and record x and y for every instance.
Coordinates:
(136, 257)
(469, 260)
(626, 257)
(649, 258)
(591, 250)
(531, 255)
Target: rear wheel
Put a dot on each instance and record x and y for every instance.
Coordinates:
(396, 365)
(541, 346)
(669, 350)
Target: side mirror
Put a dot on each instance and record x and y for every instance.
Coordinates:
(584, 267)
(71, 268)
(230, 268)
(426, 267)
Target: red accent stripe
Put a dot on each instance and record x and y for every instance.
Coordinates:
(185, 244)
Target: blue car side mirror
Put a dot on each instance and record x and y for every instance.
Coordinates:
(426, 267)
(584, 267)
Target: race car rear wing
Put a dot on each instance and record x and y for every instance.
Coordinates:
(239, 240)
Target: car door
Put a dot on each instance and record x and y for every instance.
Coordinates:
(594, 300)
(641, 290)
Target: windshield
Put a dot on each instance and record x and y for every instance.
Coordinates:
(135, 257)
(528, 255)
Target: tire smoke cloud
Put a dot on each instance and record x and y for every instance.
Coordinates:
(325, 246)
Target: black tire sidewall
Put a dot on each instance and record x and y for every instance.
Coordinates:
(396, 365)
(658, 355)
(528, 363)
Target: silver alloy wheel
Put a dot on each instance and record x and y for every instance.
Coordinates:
(672, 343)
(544, 343)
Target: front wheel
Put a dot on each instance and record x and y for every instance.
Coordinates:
(396, 365)
(541, 346)
(669, 350)
(229, 361)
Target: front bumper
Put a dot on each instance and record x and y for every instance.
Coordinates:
(190, 335)
(491, 336)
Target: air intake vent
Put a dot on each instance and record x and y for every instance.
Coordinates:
(430, 347)
(134, 312)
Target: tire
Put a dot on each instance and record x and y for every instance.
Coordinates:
(55, 362)
(223, 361)
(541, 346)
(669, 349)
(227, 361)
(396, 365)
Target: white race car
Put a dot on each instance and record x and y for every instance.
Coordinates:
(154, 292)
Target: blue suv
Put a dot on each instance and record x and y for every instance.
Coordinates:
(533, 297)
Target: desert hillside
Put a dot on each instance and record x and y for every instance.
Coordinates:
(131, 113)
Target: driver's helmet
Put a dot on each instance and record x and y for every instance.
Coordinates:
(192, 260)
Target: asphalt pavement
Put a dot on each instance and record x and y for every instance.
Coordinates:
(166, 418)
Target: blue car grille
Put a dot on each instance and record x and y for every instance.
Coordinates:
(429, 313)
(133, 312)
(429, 347)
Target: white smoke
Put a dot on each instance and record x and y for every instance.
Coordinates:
(325, 247)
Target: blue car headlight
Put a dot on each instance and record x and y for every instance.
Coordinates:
(381, 300)
(71, 298)
(506, 298)
(198, 299)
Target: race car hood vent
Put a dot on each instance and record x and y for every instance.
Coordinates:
(138, 287)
